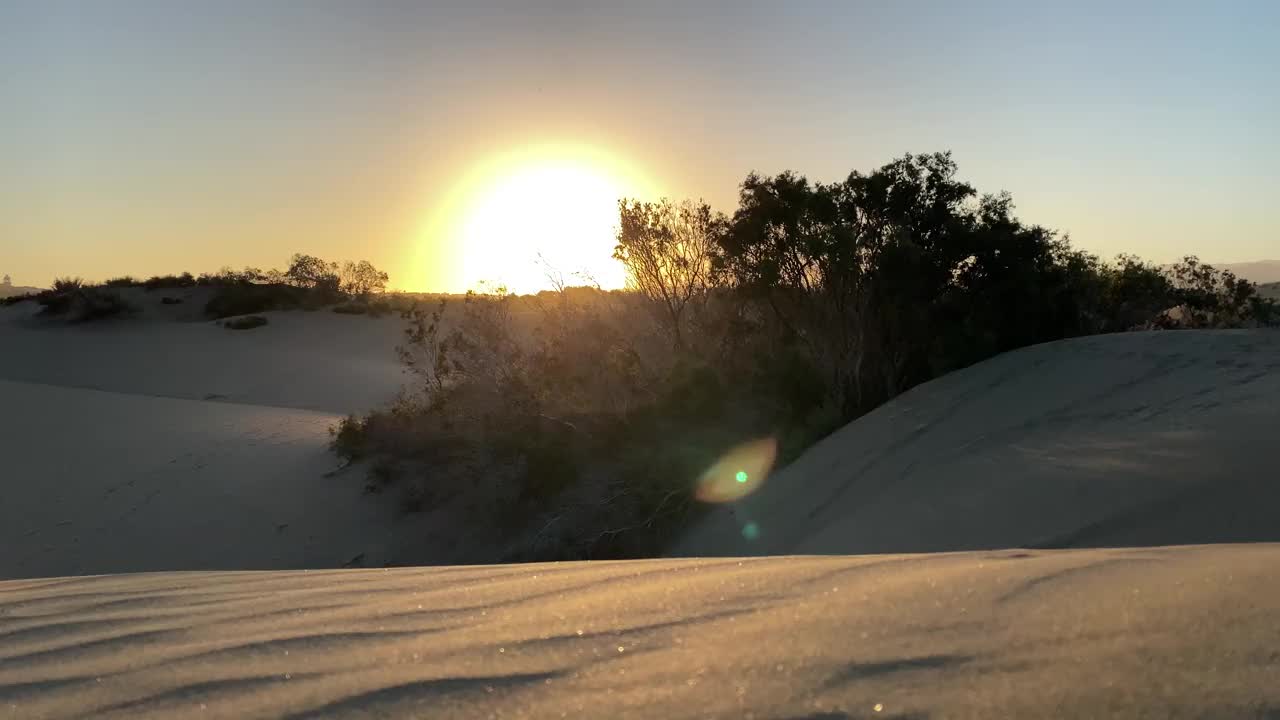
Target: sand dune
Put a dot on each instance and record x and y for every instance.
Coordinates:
(1133, 439)
(1158, 633)
(145, 445)
(1142, 439)
(312, 361)
(99, 482)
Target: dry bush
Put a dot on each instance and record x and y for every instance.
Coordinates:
(564, 424)
(78, 304)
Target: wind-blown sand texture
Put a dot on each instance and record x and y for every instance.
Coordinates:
(154, 445)
(1150, 633)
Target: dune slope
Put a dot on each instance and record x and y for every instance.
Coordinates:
(99, 482)
(149, 444)
(306, 360)
(1134, 439)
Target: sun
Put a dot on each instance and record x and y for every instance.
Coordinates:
(534, 215)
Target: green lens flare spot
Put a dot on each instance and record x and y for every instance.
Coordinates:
(741, 476)
(751, 531)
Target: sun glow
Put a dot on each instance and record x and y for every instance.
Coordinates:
(530, 216)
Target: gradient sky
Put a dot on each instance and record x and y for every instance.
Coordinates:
(166, 136)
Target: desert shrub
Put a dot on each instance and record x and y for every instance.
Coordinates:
(83, 304)
(228, 276)
(165, 282)
(308, 284)
(248, 322)
(170, 301)
(122, 282)
(67, 284)
(349, 438)
(243, 299)
(568, 410)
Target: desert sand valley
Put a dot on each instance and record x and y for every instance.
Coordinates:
(1080, 506)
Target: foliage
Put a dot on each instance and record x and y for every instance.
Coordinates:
(362, 279)
(349, 438)
(67, 284)
(312, 273)
(891, 278)
(158, 282)
(309, 283)
(78, 304)
(668, 250)
(243, 299)
(576, 422)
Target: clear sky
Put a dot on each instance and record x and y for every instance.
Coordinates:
(151, 137)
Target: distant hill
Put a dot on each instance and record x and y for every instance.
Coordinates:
(1270, 290)
(11, 290)
(1259, 271)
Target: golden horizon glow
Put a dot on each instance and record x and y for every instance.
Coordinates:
(521, 218)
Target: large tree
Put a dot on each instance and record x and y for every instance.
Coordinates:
(876, 276)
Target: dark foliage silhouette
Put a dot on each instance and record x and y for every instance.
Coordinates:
(580, 432)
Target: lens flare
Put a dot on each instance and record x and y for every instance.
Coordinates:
(739, 472)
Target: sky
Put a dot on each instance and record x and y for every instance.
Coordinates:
(154, 137)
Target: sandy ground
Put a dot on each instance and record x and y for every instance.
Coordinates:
(158, 445)
(100, 482)
(1160, 438)
(307, 360)
(1155, 633)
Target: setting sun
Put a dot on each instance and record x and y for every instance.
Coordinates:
(530, 216)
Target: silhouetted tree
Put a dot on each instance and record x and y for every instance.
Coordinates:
(668, 251)
(362, 279)
(308, 271)
(890, 278)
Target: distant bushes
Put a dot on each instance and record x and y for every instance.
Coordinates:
(67, 284)
(169, 282)
(71, 300)
(76, 303)
(232, 300)
(309, 283)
